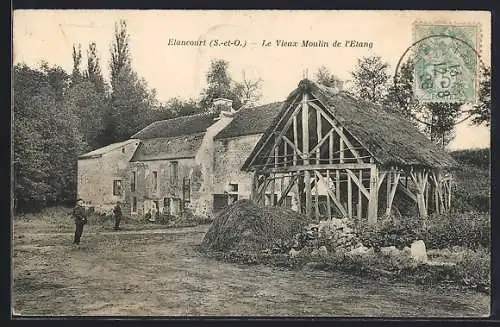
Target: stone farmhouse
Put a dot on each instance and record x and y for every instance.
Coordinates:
(320, 152)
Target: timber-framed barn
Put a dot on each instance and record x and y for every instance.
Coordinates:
(348, 156)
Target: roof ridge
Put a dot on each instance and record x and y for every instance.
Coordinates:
(179, 117)
(173, 137)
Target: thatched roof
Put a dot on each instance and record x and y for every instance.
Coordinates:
(168, 148)
(251, 120)
(390, 138)
(185, 125)
(97, 153)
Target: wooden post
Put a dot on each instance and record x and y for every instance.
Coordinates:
(330, 148)
(449, 193)
(427, 198)
(328, 203)
(273, 183)
(305, 150)
(295, 139)
(436, 192)
(300, 190)
(337, 172)
(349, 196)
(285, 154)
(360, 199)
(316, 207)
(388, 193)
(282, 186)
(341, 148)
(395, 175)
(419, 178)
(318, 136)
(373, 200)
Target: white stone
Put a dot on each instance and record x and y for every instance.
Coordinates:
(322, 251)
(293, 253)
(418, 252)
(359, 250)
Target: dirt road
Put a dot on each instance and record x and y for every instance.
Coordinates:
(161, 273)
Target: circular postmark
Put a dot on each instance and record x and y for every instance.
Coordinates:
(444, 63)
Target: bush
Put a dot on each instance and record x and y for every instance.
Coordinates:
(400, 233)
(473, 182)
(474, 269)
(471, 230)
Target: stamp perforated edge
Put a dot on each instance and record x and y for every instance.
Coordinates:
(478, 48)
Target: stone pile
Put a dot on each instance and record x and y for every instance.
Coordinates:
(338, 235)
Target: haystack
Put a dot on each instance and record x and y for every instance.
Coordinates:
(249, 227)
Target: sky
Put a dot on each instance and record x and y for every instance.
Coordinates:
(179, 71)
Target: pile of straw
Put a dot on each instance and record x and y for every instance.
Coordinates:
(249, 227)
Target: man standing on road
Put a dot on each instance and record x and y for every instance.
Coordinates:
(117, 212)
(80, 220)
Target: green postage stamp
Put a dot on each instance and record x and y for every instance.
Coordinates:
(446, 61)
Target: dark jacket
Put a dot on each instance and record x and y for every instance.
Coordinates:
(117, 211)
(79, 215)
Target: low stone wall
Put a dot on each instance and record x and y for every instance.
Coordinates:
(338, 234)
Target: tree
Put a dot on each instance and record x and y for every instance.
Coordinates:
(482, 110)
(93, 72)
(76, 75)
(219, 85)
(90, 105)
(442, 120)
(46, 138)
(248, 89)
(130, 98)
(177, 107)
(400, 96)
(370, 79)
(324, 77)
(120, 55)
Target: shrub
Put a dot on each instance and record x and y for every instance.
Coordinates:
(474, 269)
(400, 233)
(471, 230)
(473, 183)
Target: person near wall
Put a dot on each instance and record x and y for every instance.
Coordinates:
(80, 220)
(117, 212)
(154, 212)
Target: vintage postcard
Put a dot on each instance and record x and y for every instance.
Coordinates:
(251, 163)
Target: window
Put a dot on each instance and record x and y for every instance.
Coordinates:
(134, 204)
(132, 182)
(233, 187)
(123, 150)
(232, 198)
(288, 201)
(174, 172)
(220, 202)
(155, 181)
(117, 187)
(269, 198)
(186, 189)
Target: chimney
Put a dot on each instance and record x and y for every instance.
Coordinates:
(337, 86)
(248, 103)
(222, 106)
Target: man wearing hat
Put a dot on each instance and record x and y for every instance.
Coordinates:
(80, 220)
